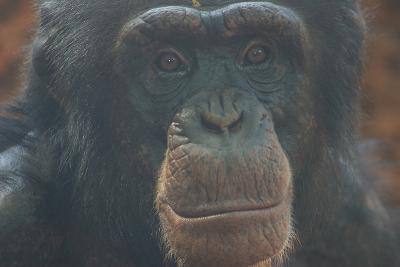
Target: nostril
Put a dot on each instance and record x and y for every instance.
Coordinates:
(220, 124)
(236, 125)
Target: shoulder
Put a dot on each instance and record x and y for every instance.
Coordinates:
(11, 159)
(19, 195)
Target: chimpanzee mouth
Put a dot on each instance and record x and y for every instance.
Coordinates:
(223, 213)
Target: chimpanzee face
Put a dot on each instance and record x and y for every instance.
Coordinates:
(220, 84)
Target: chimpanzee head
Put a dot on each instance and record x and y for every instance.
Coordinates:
(216, 82)
(211, 110)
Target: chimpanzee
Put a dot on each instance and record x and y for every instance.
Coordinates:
(190, 133)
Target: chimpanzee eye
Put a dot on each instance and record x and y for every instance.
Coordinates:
(256, 55)
(170, 61)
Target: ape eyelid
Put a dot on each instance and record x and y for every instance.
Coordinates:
(241, 60)
(170, 50)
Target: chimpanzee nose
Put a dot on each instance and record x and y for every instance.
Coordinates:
(222, 115)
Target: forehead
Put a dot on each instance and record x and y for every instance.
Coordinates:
(227, 22)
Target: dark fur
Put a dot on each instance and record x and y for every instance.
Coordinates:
(74, 200)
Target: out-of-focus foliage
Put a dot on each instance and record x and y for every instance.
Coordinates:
(382, 90)
(16, 29)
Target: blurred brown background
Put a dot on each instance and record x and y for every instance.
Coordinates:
(382, 90)
(381, 83)
(17, 23)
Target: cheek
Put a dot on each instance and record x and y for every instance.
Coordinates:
(296, 127)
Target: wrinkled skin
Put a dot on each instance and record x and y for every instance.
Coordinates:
(161, 133)
(210, 187)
